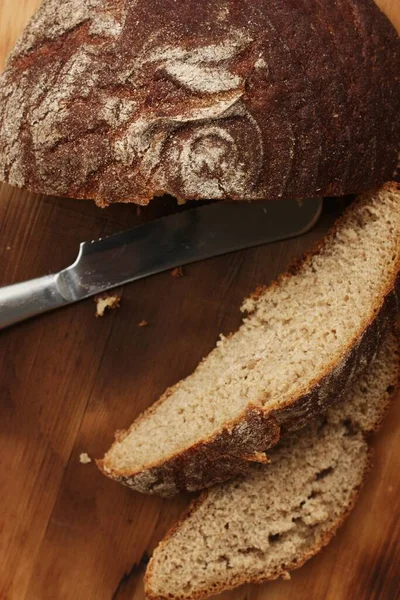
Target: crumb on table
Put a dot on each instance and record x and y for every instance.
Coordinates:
(84, 458)
(104, 302)
(177, 272)
(143, 323)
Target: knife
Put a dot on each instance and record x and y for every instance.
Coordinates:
(162, 244)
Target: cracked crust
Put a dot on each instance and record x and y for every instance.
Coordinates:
(124, 100)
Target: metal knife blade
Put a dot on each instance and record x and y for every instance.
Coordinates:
(156, 246)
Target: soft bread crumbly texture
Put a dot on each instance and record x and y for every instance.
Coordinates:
(84, 458)
(262, 525)
(106, 302)
(247, 99)
(303, 340)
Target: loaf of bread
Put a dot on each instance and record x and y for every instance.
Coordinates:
(262, 525)
(122, 101)
(303, 339)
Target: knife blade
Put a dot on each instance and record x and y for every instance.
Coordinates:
(159, 245)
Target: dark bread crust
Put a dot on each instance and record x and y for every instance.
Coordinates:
(124, 100)
(208, 462)
(227, 453)
(322, 541)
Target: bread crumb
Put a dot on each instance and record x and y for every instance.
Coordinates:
(138, 211)
(177, 272)
(259, 457)
(286, 575)
(84, 458)
(143, 323)
(8, 247)
(104, 302)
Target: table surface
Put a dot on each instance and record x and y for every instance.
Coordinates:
(69, 380)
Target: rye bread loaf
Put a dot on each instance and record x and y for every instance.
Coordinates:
(269, 522)
(124, 100)
(300, 345)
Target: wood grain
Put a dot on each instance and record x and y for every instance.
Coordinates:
(68, 380)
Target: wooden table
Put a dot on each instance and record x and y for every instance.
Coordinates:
(68, 380)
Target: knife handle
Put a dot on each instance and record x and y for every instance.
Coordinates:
(28, 299)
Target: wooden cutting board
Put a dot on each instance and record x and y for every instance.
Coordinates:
(68, 380)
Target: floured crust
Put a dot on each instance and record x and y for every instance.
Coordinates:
(226, 453)
(124, 100)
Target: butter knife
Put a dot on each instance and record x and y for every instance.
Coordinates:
(156, 246)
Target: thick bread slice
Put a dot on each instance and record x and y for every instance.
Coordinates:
(260, 526)
(124, 100)
(301, 344)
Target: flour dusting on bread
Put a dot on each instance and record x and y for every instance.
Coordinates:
(125, 100)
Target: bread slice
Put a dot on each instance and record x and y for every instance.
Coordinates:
(262, 525)
(121, 101)
(300, 345)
